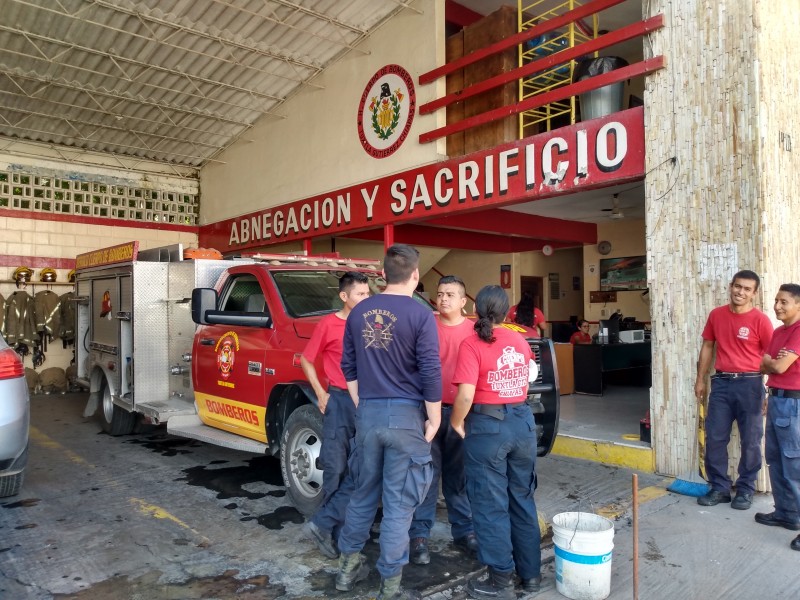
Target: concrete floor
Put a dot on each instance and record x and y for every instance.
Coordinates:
(612, 417)
(150, 516)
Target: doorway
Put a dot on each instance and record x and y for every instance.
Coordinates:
(535, 287)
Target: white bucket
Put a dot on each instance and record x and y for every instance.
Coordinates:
(583, 555)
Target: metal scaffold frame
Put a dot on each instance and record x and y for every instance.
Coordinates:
(529, 14)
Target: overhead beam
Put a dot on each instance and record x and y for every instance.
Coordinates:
(438, 237)
(511, 223)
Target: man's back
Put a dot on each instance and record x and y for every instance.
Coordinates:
(391, 347)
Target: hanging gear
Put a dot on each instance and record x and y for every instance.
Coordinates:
(2, 316)
(71, 276)
(48, 275)
(22, 350)
(66, 329)
(48, 313)
(20, 319)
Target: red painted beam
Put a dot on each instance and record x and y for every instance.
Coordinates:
(437, 237)
(574, 89)
(516, 39)
(512, 223)
(604, 41)
(460, 15)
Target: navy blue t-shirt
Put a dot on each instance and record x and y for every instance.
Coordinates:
(391, 347)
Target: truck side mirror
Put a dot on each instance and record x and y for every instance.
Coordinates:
(203, 300)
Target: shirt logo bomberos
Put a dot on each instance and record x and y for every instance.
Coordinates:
(744, 333)
(386, 111)
(378, 332)
(510, 380)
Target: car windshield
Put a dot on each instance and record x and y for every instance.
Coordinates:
(307, 293)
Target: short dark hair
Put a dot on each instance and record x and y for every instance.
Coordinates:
(491, 304)
(749, 275)
(400, 262)
(350, 279)
(581, 322)
(454, 279)
(791, 288)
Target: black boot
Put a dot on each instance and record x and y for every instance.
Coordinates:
(352, 569)
(497, 586)
(391, 590)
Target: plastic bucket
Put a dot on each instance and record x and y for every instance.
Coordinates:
(583, 555)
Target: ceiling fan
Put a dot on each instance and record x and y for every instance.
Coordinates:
(615, 210)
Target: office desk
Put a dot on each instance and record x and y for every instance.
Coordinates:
(597, 364)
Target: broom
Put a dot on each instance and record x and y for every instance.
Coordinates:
(692, 484)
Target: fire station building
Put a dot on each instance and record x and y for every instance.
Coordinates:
(607, 156)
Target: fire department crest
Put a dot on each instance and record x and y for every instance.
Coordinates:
(378, 326)
(226, 349)
(386, 111)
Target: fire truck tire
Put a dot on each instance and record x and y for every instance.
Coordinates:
(115, 420)
(300, 447)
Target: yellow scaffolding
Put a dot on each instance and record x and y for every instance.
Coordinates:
(530, 13)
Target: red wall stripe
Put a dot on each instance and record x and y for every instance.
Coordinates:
(38, 216)
(36, 262)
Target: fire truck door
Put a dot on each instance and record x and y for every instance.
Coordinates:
(229, 364)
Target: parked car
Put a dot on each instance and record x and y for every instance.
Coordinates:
(15, 412)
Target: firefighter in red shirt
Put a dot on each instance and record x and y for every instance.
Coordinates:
(741, 334)
(499, 449)
(335, 403)
(782, 446)
(582, 335)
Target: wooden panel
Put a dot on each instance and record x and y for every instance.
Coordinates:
(500, 24)
(454, 48)
(564, 366)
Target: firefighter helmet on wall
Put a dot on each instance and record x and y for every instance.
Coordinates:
(22, 274)
(48, 275)
(71, 276)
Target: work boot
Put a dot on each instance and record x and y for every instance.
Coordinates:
(419, 553)
(497, 586)
(352, 569)
(534, 584)
(467, 543)
(322, 539)
(742, 501)
(713, 498)
(391, 590)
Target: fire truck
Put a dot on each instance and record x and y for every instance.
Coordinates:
(211, 348)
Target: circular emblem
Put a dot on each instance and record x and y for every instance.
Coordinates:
(225, 357)
(386, 111)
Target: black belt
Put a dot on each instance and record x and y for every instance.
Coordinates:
(496, 411)
(726, 375)
(779, 393)
(337, 389)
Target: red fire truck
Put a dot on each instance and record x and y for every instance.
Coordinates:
(212, 348)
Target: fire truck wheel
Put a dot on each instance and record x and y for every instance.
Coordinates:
(300, 447)
(115, 420)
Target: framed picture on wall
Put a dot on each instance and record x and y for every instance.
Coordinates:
(625, 273)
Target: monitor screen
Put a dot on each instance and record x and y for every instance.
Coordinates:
(609, 331)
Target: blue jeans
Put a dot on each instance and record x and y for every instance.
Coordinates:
(732, 400)
(783, 455)
(338, 430)
(393, 462)
(447, 450)
(500, 458)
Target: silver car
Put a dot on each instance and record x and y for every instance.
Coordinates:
(15, 414)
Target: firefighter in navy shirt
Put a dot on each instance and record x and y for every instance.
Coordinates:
(390, 361)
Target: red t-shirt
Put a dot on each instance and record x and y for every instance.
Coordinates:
(498, 370)
(450, 338)
(789, 338)
(538, 316)
(741, 339)
(327, 342)
(580, 337)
